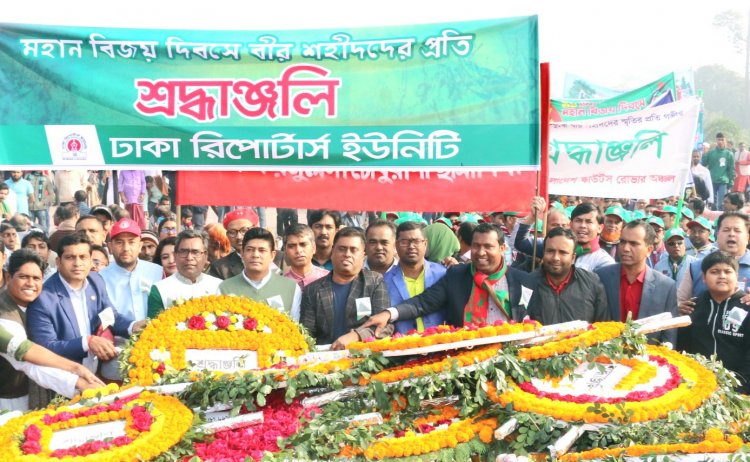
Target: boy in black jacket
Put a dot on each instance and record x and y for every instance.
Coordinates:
(721, 324)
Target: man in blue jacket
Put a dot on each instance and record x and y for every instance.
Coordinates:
(66, 316)
(413, 274)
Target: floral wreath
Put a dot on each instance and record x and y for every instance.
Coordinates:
(684, 384)
(441, 430)
(714, 442)
(566, 342)
(443, 334)
(220, 322)
(154, 423)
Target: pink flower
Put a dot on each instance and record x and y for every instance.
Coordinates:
(31, 447)
(250, 324)
(33, 433)
(142, 420)
(222, 322)
(197, 323)
(369, 339)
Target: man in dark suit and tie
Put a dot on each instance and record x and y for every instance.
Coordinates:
(633, 287)
(66, 316)
(484, 291)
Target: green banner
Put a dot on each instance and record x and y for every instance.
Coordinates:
(656, 93)
(417, 97)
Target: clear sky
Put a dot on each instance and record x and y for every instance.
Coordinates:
(621, 44)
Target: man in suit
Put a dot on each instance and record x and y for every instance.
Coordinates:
(334, 307)
(413, 274)
(66, 316)
(237, 223)
(634, 288)
(485, 291)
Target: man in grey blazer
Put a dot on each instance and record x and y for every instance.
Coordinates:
(633, 287)
(334, 307)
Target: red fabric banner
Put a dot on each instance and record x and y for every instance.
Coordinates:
(544, 109)
(373, 191)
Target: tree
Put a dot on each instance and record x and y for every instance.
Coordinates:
(739, 36)
(722, 95)
(731, 130)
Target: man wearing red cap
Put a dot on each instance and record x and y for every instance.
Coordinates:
(128, 279)
(237, 223)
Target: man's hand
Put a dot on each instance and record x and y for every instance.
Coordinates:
(687, 307)
(139, 325)
(449, 261)
(140, 198)
(344, 340)
(538, 206)
(379, 320)
(102, 348)
(83, 384)
(745, 299)
(88, 376)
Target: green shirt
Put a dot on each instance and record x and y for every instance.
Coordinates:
(720, 162)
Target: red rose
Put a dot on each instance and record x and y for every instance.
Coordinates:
(31, 447)
(197, 323)
(160, 368)
(250, 324)
(222, 322)
(33, 433)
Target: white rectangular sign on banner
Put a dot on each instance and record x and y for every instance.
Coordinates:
(644, 154)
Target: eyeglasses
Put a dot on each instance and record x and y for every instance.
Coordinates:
(195, 253)
(410, 242)
(676, 243)
(168, 229)
(237, 232)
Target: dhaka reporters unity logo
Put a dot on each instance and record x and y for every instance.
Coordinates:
(74, 147)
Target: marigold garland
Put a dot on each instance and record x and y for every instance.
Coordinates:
(599, 332)
(161, 346)
(694, 386)
(714, 443)
(154, 423)
(435, 364)
(431, 433)
(443, 334)
(415, 444)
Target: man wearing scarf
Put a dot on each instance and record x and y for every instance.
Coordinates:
(484, 291)
(614, 218)
(587, 222)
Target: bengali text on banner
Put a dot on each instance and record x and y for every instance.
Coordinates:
(425, 97)
(643, 154)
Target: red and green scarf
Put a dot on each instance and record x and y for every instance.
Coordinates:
(478, 305)
(589, 247)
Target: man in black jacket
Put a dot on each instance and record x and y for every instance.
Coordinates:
(484, 291)
(560, 291)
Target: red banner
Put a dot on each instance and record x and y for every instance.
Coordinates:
(398, 191)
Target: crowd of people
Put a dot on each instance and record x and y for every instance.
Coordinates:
(71, 298)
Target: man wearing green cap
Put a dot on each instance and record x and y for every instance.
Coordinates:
(614, 218)
(668, 214)
(677, 261)
(659, 250)
(700, 231)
